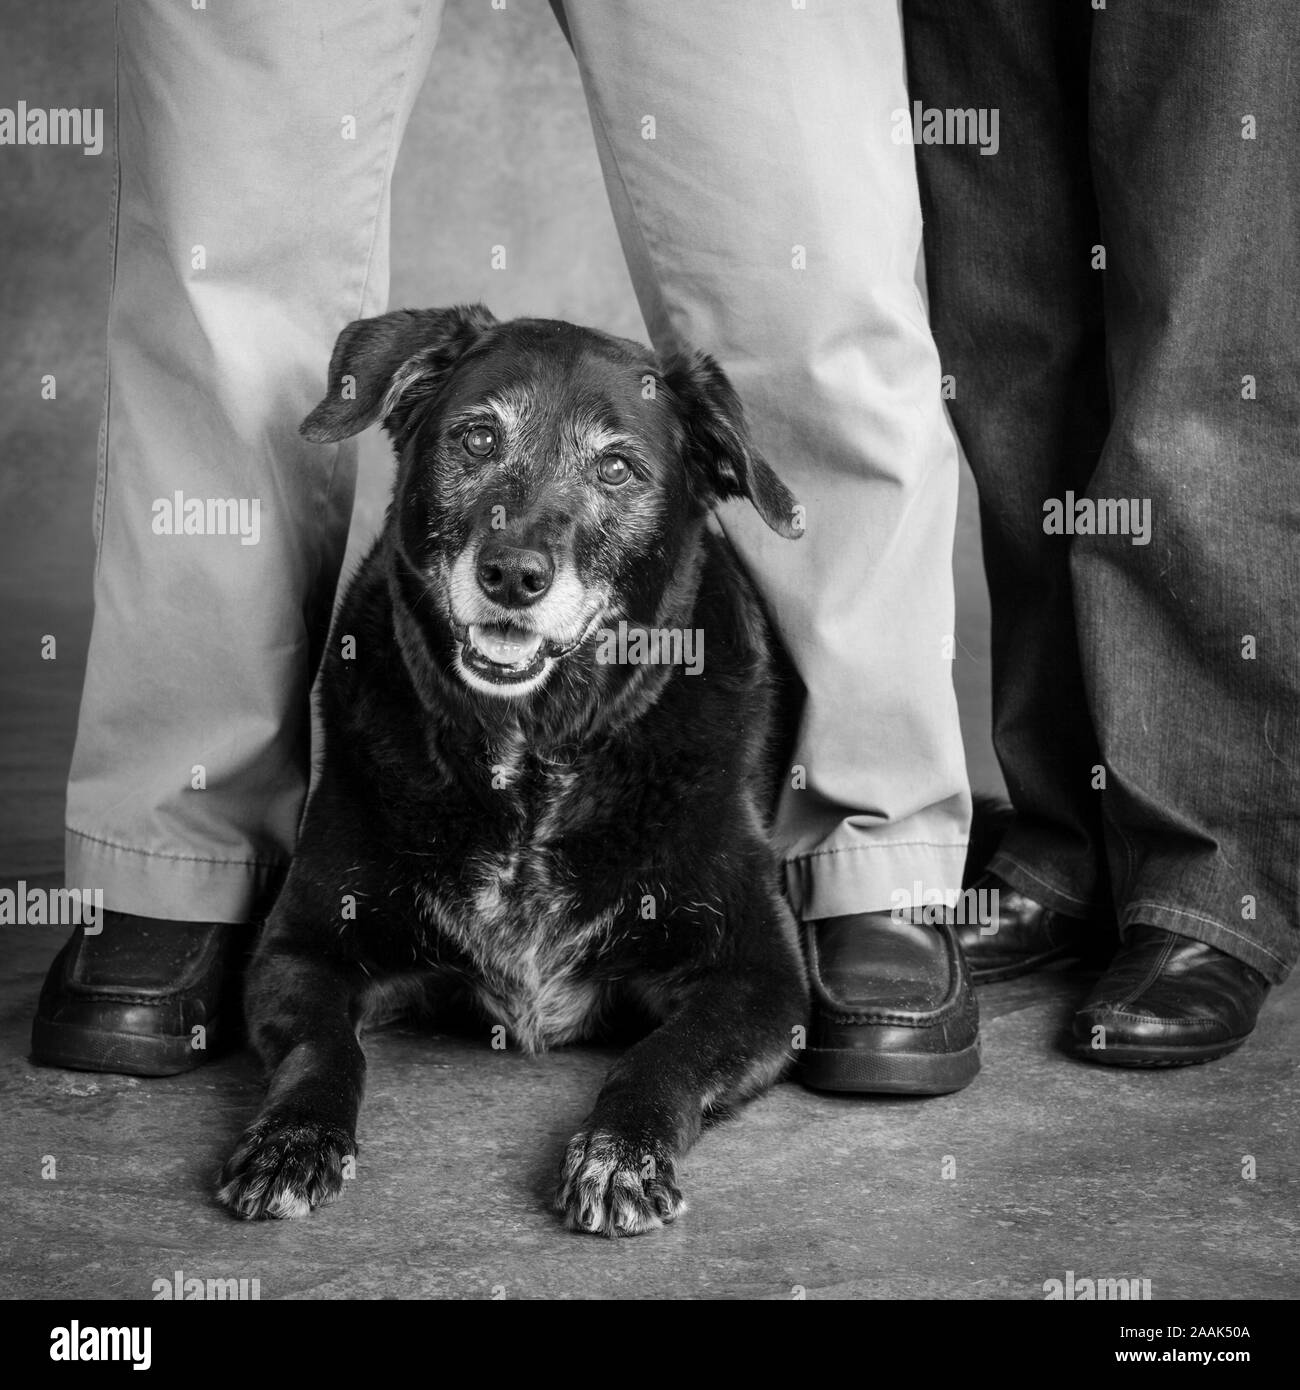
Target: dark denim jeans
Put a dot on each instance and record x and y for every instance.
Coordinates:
(1171, 377)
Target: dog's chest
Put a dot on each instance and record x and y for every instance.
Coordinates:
(514, 916)
(533, 951)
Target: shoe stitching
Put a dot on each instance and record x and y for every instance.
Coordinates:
(1136, 1017)
(1150, 977)
(109, 994)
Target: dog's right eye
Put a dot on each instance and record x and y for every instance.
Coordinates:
(479, 440)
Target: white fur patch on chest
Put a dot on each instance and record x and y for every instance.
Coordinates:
(518, 928)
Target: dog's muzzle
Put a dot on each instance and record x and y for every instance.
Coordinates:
(503, 654)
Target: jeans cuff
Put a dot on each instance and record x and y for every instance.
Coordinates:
(1033, 885)
(1212, 932)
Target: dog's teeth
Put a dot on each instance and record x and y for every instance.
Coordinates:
(506, 646)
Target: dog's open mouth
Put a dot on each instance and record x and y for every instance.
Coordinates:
(502, 653)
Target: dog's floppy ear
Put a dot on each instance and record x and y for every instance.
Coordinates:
(380, 364)
(719, 451)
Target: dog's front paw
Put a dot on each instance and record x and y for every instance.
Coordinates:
(283, 1167)
(614, 1186)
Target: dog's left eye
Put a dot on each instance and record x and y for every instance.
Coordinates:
(480, 441)
(613, 470)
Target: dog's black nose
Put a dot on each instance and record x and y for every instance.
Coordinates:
(513, 576)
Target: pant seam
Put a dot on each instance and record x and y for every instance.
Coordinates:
(390, 158)
(1130, 849)
(179, 858)
(1152, 975)
(392, 144)
(101, 460)
(663, 313)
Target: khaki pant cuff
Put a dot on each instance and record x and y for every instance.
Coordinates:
(870, 878)
(169, 887)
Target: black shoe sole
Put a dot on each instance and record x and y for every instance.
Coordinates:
(78, 1048)
(1153, 1058)
(891, 1073)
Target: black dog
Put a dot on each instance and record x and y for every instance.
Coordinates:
(520, 806)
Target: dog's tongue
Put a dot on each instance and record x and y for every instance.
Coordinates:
(505, 646)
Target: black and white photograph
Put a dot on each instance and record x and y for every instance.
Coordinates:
(651, 652)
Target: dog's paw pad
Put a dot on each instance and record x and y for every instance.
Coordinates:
(282, 1169)
(614, 1186)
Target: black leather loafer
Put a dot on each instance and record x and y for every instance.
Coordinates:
(1026, 935)
(893, 1010)
(143, 997)
(1168, 1001)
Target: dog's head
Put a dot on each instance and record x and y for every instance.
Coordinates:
(552, 479)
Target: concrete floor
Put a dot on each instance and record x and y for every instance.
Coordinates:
(1058, 1166)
